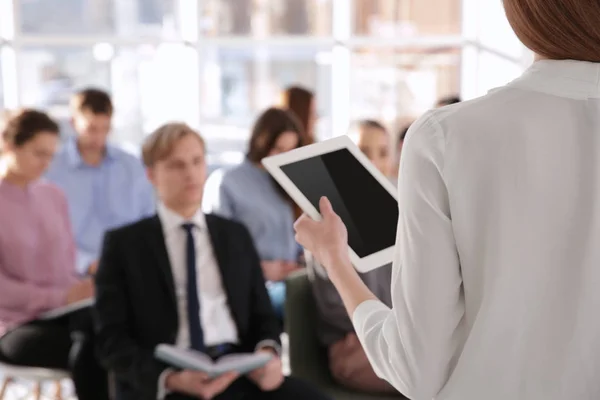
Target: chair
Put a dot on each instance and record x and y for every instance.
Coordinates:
(38, 376)
(308, 359)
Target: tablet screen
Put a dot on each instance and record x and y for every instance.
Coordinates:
(368, 210)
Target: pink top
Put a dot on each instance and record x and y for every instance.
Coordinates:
(37, 252)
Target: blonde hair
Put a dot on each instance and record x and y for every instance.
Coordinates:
(557, 29)
(160, 143)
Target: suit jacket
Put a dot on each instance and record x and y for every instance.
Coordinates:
(136, 306)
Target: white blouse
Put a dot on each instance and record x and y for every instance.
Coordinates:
(496, 281)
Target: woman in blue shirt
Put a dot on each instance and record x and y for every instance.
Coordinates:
(247, 193)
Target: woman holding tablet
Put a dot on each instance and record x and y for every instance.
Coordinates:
(495, 281)
(37, 261)
(247, 194)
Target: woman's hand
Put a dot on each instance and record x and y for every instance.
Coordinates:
(82, 290)
(327, 239)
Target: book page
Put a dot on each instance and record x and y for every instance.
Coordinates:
(241, 363)
(184, 358)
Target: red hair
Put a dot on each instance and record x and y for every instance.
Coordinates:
(300, 101)
(557, 29)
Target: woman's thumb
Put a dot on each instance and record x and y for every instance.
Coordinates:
(325, 206)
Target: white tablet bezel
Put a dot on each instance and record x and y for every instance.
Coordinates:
(273, 165)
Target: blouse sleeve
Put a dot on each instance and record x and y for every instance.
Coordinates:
(413, 345)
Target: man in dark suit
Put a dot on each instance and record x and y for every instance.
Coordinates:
(189, 280)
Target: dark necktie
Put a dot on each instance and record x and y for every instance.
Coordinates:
(193, 303)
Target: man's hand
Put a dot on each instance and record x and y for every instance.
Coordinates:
(269, 377)
(278, 270)
(198, 384)
(80, 291)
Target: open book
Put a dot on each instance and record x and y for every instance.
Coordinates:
(68, 309)
(190, 359)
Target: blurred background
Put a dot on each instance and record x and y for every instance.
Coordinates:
(216, 63)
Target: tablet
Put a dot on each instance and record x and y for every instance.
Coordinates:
(362, 196)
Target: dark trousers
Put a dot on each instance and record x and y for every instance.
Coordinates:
(244, 389)
(65, 343)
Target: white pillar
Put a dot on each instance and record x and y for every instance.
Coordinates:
(340, 67)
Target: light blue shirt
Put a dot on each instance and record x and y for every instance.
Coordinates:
(102, 197)
(247, 194)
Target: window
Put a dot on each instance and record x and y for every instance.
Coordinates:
(402, 18)
(48, 77)
(266, 17)
(1, 91)
(216, 64)
(239, 82)
(146, 90)
(124, 18)
(391, 84)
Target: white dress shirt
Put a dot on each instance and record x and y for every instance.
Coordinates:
(496, 279)
(217, 322)
(215, 316)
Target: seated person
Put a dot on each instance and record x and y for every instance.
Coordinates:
(106, 187)
(37, 262)
(247, 194)
(348, 362)
(188, 279)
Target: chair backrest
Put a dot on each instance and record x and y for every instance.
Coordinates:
(308, 359)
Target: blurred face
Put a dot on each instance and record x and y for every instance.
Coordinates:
(285, 142)
(92, 129)
(30, 160)
(179, 178)
(374, 143)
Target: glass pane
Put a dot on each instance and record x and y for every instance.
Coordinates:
(1, 89)
(494, 71)
(238, 83)
(48, 77)
(495, 32)
(266, 17)
(149, 85)
(393, 85)
(393, 18)
(153, 18)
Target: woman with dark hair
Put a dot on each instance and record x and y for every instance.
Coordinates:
(37, 262)
(496, 275)
(248, 194)
(301, 102)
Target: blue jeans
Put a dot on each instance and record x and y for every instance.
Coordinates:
(276, 292)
